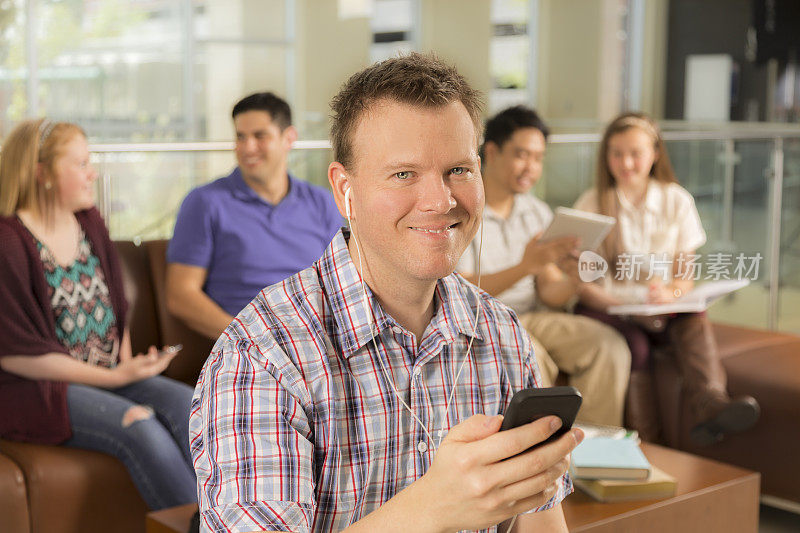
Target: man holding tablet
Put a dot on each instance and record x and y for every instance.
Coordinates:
(532, 276)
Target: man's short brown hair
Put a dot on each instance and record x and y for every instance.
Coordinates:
(416, 79)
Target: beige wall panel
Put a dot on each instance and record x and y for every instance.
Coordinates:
(609, 61)
(573, 63)
(654, 65)
(329, 50)
(543, 58)
(264, 19)
(223, 82)
(458, 31)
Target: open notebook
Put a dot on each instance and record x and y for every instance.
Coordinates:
(695, 301)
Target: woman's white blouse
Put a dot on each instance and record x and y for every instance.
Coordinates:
(666, 223)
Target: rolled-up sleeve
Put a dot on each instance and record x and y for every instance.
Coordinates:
(251, 441)
(192, 240)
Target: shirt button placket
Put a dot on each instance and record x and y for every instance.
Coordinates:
(422, 459)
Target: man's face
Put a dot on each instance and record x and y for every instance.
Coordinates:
(261, 147)
(417, 194)
(517, 165)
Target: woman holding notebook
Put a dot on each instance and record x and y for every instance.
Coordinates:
(650, 254)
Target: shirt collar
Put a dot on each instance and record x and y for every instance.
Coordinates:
(459, 302)
(519, 209)
(489, 213)
(355, 326)
(652, 199)
(516, 209)
(243, 191)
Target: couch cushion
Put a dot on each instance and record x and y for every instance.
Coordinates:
(73, 490)
(186, 365)
(736, 339)
(142, 318)
(770, 372)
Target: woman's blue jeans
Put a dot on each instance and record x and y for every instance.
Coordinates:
(153, 446)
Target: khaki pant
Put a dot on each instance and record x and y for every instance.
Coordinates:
(594, 356)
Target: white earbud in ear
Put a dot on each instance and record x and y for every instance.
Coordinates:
(347, 203)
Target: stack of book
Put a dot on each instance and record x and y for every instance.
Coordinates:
(610, 467)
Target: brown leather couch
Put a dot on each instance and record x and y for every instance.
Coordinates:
(52, 489)
(14, 514)
(765, 365)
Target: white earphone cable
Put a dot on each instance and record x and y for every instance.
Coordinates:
(478, 312)
(371, 318)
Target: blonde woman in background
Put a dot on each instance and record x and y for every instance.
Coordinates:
(67, 374)
(657, 218)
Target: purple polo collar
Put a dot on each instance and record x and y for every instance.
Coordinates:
(242, 191)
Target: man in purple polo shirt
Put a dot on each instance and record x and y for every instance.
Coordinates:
(250, 229)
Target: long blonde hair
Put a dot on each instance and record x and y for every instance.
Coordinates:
(30, 150)
(606, 186)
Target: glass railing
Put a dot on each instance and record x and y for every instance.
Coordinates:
(745, 180)
(141, 186)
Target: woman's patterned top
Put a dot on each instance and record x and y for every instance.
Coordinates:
(85, 321)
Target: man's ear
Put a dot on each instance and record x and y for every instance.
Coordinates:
(290, 136)
(490, 150)
(340, 183)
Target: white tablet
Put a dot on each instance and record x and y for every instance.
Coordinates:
(590, 228)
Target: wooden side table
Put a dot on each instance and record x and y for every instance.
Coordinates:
(711, 496)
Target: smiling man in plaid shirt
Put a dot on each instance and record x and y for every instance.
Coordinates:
(302, 418)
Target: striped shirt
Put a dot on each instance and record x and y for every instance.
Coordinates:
(294, 425)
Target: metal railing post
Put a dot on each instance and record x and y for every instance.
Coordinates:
(776, 202)
(31, 59)
(533, 52)
(730, 161)
(105, 196)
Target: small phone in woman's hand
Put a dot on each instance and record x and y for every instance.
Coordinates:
(169, 350)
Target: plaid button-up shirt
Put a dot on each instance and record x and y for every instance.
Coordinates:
(294, 425)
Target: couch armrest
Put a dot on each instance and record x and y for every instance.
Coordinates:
(14, 515)
(76, 490)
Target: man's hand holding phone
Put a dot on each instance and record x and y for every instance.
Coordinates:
(482, 476)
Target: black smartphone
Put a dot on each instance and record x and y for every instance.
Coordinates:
(528, 405)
